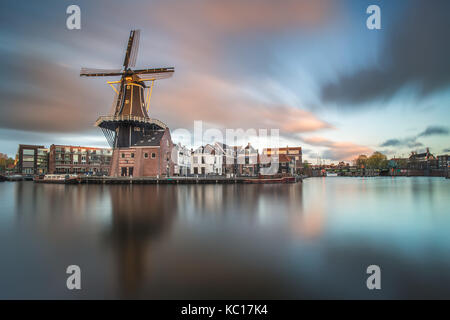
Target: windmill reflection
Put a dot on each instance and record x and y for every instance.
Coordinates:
(140, 214)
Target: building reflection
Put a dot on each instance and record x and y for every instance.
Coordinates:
(140, 214)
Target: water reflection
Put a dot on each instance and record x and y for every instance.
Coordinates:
(139, 216)
(227, 241)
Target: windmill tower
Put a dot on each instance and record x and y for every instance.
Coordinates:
(133, 135)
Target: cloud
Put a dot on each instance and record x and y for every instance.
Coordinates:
(411, 142)
(338, 151)
(200, 38)
(226, 104)
(415, 53)
(408, 142)
(42, 96)
(434, 131)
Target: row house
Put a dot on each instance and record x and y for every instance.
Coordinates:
(289, 158)
(181, 157)
(206, 161)
(276, 164)
(247, 160)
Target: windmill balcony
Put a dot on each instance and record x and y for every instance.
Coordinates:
(129, 118)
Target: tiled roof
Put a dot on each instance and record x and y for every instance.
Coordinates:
(151, 138)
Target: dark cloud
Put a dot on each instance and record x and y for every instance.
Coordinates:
(416, 53)
(407, 142)
(411, 142)
(391, 143)
(44, 96)
(434, 131)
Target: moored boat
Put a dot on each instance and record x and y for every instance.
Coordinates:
(15, 177)
(263, 180)
(57, 178)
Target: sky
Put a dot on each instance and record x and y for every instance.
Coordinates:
(311, 69)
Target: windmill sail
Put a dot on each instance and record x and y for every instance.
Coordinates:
(91, 72)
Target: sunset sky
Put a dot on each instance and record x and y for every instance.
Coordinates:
(309, 68)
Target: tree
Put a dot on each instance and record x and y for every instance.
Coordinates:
(5, 163)
(377, 161)
(361, 161)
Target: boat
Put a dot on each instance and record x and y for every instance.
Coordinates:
(2, 178)
(15, 177)
(58, 178)
(268, 179)
(332, 174)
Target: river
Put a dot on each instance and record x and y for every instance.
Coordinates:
(291, 241)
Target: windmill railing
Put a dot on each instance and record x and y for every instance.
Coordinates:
(130, 118)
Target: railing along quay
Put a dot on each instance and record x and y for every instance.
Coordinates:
(171, 180)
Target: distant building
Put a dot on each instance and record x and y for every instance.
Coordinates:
(422, 161)
(294, 154)
(31, 159)
(181, 157)
(398, 163)
(79, 160)
(443, 162)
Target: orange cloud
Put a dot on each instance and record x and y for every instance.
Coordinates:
(237, 15)
(226, 104)
(338, 150)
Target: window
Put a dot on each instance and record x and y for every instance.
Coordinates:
(132, 155)
(29, 152)
(28, 158)
(122, 155)
(146, 155)
(153, 155)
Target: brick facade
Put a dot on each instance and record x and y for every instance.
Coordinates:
(144, 161)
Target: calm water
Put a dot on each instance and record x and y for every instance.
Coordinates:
(227, 241)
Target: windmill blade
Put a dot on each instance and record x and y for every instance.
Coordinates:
(134, 48)
(120, 97)
(155, 74)
(130, 45)
(91, 72)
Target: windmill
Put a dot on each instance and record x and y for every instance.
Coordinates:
(129, 122)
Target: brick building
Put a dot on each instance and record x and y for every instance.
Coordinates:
(79, 160)
(294, 156)
(148, 157)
